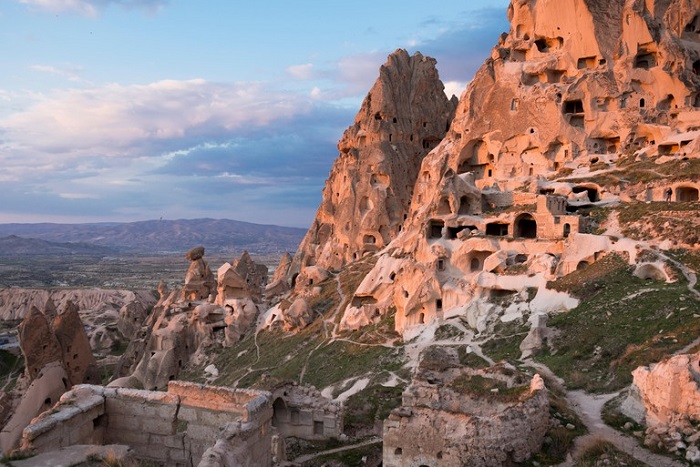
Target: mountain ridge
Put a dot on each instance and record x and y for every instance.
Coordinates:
(166, 236)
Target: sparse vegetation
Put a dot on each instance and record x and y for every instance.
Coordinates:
(622, 322)
(599, 452)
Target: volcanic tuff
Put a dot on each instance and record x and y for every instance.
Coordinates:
(573, 87)
(366, 197)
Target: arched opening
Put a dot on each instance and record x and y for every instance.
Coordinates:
(686, 194)
(444, 207)
(581, 265)
(567, 230)
(280, 413)
(475, 265)
(497, 229)
(592, 192)
(369, 239)
(464, 207)
(294, 279)
(421, 318)
(398, 451)
(642, 103)
(525, 226)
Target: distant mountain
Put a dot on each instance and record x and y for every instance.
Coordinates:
(14, 245)
(163, 236)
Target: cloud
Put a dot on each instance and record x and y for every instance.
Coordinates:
(131, 121)
(454, 88)
(91, 8)
(301, 72)
(171, 148)
(69, 73)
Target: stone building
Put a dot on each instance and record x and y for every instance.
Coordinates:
(191, 424)
(302, 412)
(445, 421)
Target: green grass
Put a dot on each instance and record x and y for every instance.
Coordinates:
(372, 404)
(598, 451)
(283, 356)
(621, 323)
(487, 389)
(505, 343)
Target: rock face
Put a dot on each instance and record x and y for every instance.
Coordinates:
(199, 281)
(571, 85)
(444, 419)
(669, 393)
(185, 323)
(366, 197)
(75, 346)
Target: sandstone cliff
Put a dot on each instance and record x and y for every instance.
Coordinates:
(366, 197)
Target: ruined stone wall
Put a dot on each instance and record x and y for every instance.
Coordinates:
(429, 431)
(175, 428)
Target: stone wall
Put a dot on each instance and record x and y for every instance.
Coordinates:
(431, 430)
(303, 412)
(174, 427)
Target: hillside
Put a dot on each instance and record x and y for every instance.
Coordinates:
(167, 236)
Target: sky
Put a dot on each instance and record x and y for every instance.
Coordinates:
(126, 110)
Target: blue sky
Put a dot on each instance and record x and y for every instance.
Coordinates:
(123, 110)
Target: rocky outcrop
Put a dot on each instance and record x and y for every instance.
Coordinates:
(366, 197)
(199, 281)
(455, 416)
(244, 279)
(666, 397)
(78, 359)
(571, 85)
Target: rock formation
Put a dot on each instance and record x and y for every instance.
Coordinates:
(199, 281)
(57, 356)
(184, 324)
(77, 354)
(570, 86)
(454, 416)
(366, 197)
(666, 398)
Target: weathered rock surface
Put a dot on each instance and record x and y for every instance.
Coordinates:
(78, 359)
(449, 417)
(669, 393)
(199, 281)
(571, 85)
(366, 197)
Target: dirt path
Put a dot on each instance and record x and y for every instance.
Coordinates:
(588, 407)
(308, 457)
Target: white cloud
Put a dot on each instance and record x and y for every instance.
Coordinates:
(69, 73)
(90, 7)
(454, 88)
(83, 131)
(301, 72)
(78, 196)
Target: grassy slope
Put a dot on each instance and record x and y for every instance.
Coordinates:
(621, 323)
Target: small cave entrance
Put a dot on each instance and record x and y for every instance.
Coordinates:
(592, 192)
(567, 230)
(435, 229)
(497, 229)
(573, 107)
(525, 226)
(645, 60)
(686, 194)
(582, 265)
(294, 279)
(444, 207)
